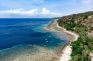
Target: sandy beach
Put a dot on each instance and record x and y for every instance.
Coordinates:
(66, 52)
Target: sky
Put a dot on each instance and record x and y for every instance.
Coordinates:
(43, 8)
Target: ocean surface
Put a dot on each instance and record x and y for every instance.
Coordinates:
(19, 35)
(14, 32)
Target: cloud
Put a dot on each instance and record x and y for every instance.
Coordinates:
(19, 11)
(44, 12)
(47, 12)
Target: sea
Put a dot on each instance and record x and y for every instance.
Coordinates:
(17, 33)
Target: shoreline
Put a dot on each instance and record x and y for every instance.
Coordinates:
(66, 52)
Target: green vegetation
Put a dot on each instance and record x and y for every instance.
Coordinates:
(81, 24)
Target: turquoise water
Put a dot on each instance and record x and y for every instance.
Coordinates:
(29, 31)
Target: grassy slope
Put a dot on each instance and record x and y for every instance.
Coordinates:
(82, 24)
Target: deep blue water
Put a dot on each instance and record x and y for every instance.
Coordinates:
(15, 32)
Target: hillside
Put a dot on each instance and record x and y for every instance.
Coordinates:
(82, 24)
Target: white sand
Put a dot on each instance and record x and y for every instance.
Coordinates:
(67, 50)
(66, 54)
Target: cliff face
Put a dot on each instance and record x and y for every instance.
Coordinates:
(82, 24)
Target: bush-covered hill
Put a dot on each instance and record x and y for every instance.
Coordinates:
(82, 24)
